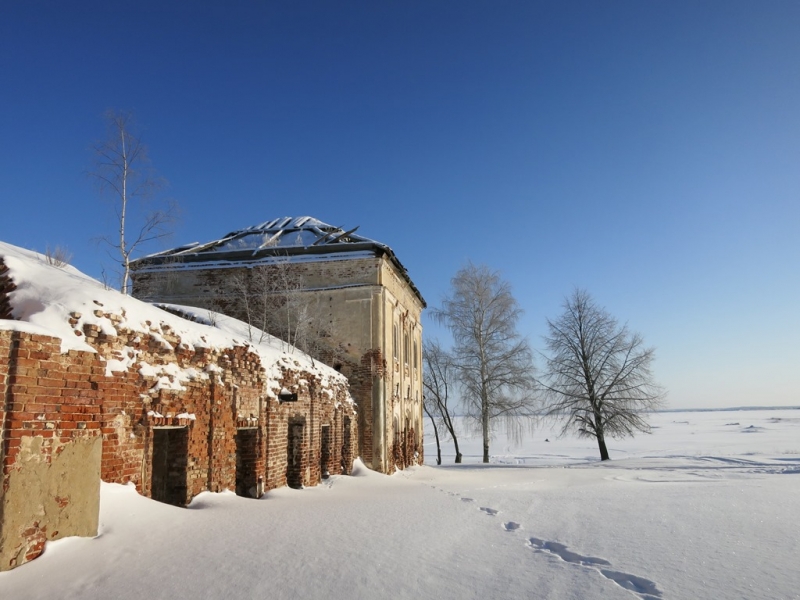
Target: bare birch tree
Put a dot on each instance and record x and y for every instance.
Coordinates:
(271, 300)
(598, 373)
(435, 424)
(438, 379)
(124, 174)
(493, 361)
(264, 297)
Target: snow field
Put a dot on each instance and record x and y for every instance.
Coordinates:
(700, 509)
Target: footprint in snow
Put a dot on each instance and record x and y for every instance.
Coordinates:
(561, 551)
(644, 588)
(489, 511)
(467, 500)
(511, 526)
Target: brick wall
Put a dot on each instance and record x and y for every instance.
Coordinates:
(314, 409)
(66, 422)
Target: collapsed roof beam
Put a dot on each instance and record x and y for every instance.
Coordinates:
(337, 238)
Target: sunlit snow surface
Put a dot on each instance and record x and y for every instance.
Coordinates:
(46, 298)
(707, 507)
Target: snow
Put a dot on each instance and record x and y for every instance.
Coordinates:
(47, 298)
(286, 232)
(707, 507)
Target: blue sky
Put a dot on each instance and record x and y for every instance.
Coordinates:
(646, 151)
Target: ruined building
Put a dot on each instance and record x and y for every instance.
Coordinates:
(362, 304)
(95, 384)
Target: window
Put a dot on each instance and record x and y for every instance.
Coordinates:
(405, 348)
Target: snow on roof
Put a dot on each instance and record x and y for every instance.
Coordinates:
(283, 233)
(295, 239)
(47, 297)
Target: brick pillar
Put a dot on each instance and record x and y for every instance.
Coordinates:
(51, 450)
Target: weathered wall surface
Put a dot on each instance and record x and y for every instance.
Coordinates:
(51, 447)
(297, 446)
(403, 330)
(375, 340)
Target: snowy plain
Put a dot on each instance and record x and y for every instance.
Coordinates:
(705, 507)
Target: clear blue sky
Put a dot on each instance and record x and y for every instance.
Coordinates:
(647, 151)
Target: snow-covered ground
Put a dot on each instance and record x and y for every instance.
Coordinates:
(707, 507)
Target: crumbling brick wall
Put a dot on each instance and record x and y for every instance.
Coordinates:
(315, 407)
(231, 391)
(68, 420)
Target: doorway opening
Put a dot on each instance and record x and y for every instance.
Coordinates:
(295, 450)
(170, 458)
(246, 457)
(325, 452)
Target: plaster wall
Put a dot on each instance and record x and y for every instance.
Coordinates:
(51, 448)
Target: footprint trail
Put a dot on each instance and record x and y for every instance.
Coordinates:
(644, 588)
(640, 586)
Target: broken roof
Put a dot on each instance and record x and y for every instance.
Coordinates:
(292, 238)
(283, 233)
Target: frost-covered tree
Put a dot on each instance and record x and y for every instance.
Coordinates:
(493, 362)
(598, 374)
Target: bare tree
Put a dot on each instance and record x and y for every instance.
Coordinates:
(598, 373)
(493, 361)
(263, 298)
(427, 408)
(123, 173)
(271, 299)
(437, 379)
(59, 256)
(245, 303)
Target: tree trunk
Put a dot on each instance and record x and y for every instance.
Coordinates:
(436, 435)
(438, 447)
(601, 443)
(485, 424)
(458, 452)
(449, 424)
(485, 415)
